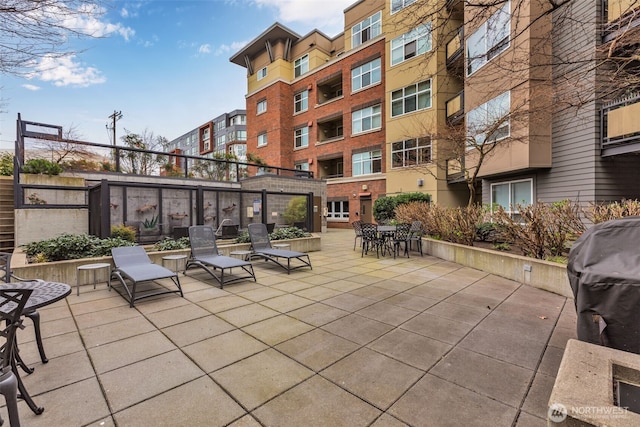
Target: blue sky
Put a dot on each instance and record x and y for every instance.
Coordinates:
(163, 64)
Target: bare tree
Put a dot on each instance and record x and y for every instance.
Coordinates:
(142, 156)
(31, 30)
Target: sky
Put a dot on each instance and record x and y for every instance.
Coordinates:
(163, 64)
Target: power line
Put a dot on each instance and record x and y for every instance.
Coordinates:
(117, 115)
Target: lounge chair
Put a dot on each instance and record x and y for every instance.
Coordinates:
(205, 255)
(261, 247)
(133, 264)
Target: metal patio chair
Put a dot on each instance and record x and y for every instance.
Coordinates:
(261, 247)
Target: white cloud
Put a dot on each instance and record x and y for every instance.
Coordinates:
(88, 23)
(63, 71)
(233, 47)
(31, 87)
(327, 15)
(205, 48)
(124, 12)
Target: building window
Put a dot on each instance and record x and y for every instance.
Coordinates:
(397, 5)
(366, 119)
(301, 137)
(301, 101)
(262, 139)
(411, 44)
(262, 73)
(365, 75)
(490, 121)
(411, 152)
(512, 193)
(489, 40)
(367, 163)
(303, 166)
(261, 106)
(219, 125)
(239, 120)
(301, 65)
(367, 29)
(411, 98)
(338, 210)
(206, 141)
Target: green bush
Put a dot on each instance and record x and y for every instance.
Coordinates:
(283, 233)
(296, 210)
(6, 164)
(150, 223)
(72, 246)
(169, 244)
(41, 166)
(384, 207)
(123, 232)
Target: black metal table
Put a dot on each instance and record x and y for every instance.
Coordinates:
(44, 293)
(386, 233)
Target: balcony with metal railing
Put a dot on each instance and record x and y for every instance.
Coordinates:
(620, 126)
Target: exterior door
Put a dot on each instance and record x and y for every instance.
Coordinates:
(366, 210)
(317, 214)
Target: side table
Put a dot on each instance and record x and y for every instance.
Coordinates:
(244, 255)
(176, 259)
(93, 267)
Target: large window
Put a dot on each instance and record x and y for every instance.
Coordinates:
(301, 65)
(262, 139)
(367, 29)
(262, 73)
(365, 75)
(261, 106)
(338, 209)
(301, 137)
(367, 163)
(301, 101)
(512, 193)
(411, 44)
(397, 5)
(206, 140)
(302, 166)
(489, 40)
(490, 121)
(411, 98)
(366, 119)
(411, 152)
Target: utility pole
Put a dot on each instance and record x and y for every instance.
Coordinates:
(117, 115)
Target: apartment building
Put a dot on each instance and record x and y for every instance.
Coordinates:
(419, 95)
(226, 133)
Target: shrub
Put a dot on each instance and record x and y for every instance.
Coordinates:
(457, 225)
(384, 207)
(169, 244)
(542, 230)
(150, 223)
(607, 211)
(72, 246)
(123, 232)
(296, 210)
(41, 166)
(6, 164)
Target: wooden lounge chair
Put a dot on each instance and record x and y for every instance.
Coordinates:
(261, 247)
(133, 264)
(205, 255)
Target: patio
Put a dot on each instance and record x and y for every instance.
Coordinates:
(353, 342)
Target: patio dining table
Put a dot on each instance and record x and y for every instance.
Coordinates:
(386, 233)
(43, 294)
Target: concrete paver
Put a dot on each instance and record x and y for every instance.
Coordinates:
(357, 341)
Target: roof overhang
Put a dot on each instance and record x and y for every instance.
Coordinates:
(257, 45)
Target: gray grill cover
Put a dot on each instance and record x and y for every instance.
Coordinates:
(604, 273)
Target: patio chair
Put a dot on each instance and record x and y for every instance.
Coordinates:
(371, 239)
(205, 255)
(133, 264)
(5, 276)
(401, 236)
(416, 235)
(357, 228)
(261, 247)
(11, 307)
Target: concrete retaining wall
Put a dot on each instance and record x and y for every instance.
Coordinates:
(546, 275)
